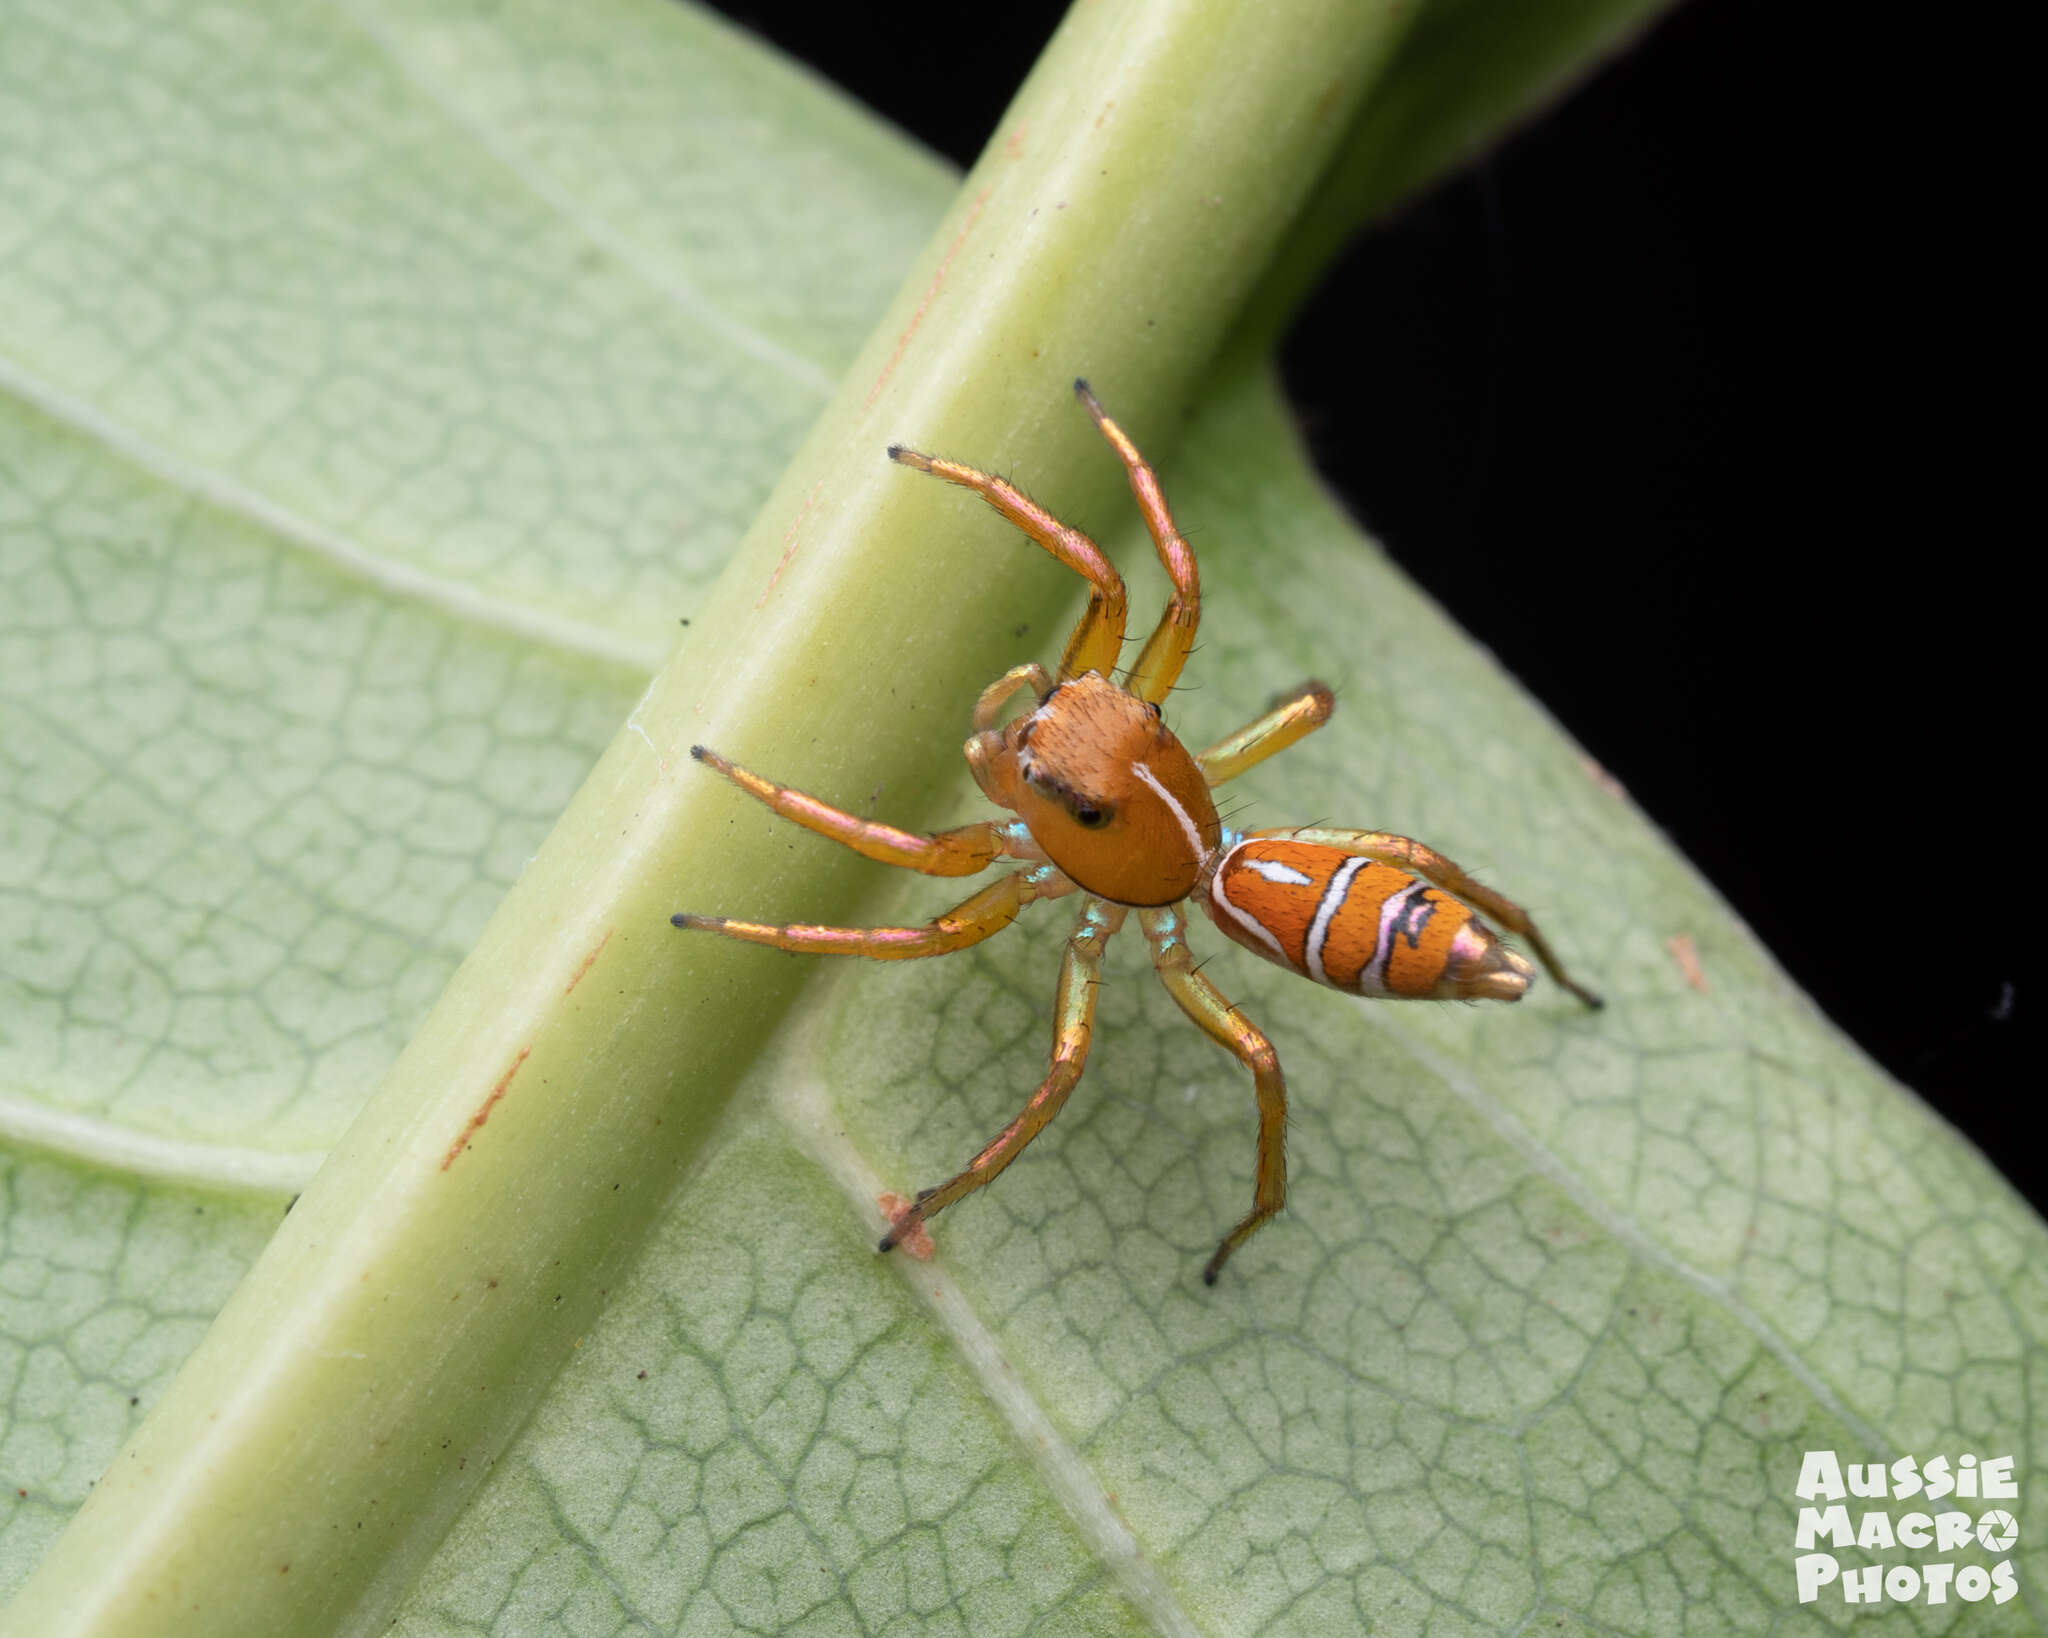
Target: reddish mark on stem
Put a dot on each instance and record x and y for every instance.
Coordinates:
(484, 1111)
(587, 963)
(789, 541)
(931, 291)
(1687, 955)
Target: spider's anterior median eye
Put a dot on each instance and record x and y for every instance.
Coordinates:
(1091, 818)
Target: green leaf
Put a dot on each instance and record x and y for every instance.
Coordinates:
(382, 386)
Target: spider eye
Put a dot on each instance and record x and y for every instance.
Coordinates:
(1090, 817)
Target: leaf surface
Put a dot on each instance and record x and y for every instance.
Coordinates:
(381, 386)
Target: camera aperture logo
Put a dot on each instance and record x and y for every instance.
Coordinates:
(1922, 1534)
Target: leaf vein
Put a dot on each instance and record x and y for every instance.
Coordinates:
(660, 275)
(230, 495)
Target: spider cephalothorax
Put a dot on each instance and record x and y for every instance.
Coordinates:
(1104, 787)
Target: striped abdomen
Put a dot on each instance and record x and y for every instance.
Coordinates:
(1358, 925)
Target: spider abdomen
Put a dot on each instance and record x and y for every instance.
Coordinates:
(1358, 925)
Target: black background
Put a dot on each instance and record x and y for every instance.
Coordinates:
(1684, 402)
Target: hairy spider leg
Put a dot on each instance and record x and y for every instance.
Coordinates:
(959, 852)
(1073, 1026)
(1098, 636)
(1000, 692)
(1173, 639)
(982, 916)
(1405, 853)
(1221, 1021)
(1292, 718)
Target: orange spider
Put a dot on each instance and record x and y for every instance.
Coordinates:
(1110, 804)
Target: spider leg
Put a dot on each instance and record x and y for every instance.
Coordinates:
(958, 852)
(999, 693)
(1293, 718)
(1166, 929)
(1404, 853)
(967, 923)
(1098, 636)
(1167, 649)
(1074, 1023)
